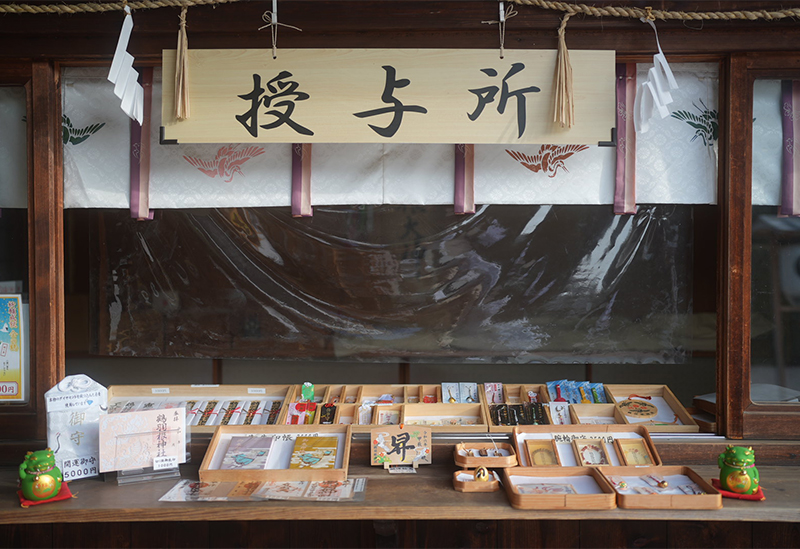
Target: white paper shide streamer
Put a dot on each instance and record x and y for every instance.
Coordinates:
(653, 94)
(123, 75)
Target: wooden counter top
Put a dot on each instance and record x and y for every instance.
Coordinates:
(428, 495)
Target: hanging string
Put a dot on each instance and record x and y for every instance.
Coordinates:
(505, 15)
(271, 20)
(182, 110)
(564, 104)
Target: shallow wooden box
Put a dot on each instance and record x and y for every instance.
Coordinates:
(617, 393)
(579, 411)
(264, 475)
(415, 394)
(492, 485)
(591, 431)
(206, 392)
(712, 499)
(604, 500)
(414, 412)
(373, 392)
(514, 394)
(469, 462)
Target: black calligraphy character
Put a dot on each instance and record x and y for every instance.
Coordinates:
(486, 95)
(279, 97)
(400, 444)
(388, 97)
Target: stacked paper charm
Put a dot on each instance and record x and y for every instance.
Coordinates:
(74, 407)
(123, 75)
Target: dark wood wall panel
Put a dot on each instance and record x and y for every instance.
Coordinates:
(540, 533)
(26, 535)
(549, 534)
(406, 24)
(686, 534)
(633, 533)
(769, 535)
(102, 534)
(169, 534)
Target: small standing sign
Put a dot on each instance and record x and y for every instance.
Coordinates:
(136, 440)
(398, 445)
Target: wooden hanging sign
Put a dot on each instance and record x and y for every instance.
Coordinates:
(378, 95)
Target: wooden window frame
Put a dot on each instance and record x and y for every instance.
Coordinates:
(738, 414)
(41, 80)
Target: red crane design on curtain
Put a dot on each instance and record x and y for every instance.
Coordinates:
(227, 163)
(548, 159)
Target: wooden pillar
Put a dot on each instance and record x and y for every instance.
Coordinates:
(733, 313)
(46, 236)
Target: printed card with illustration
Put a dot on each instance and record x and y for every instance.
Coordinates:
(247, 453)
(546, 489)
(185, 490)
(314, 453)
(244, 490)
(281, 490)
(339, 489)
(134, 440)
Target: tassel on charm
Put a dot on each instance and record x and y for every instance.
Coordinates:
(182, 110)
(564, 111)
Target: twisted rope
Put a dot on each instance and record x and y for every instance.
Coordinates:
(664, 15)
(567, 7)
(95, 7)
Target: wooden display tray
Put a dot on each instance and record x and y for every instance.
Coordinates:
(515, 393)
(662, 391)
(420, 411)
(473, 485)
(591, 431)
(469, 462)
(712, 499)
(605, 500)
(359, 393)
(578, 411)
(265, 475)
(206, 392)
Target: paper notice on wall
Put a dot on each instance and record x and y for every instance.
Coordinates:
(13, 350)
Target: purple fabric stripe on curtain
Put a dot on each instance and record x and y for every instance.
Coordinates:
(790, 203)
(140, 155)
(464, 179)
(301, 180)
(625, 178)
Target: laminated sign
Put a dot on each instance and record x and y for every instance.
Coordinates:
(74, 407)
(12, 350)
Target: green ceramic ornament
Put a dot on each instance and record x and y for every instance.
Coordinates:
(39, 478)
(737, 470)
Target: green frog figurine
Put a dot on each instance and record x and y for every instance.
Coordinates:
(39, 478)
(737, 470)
